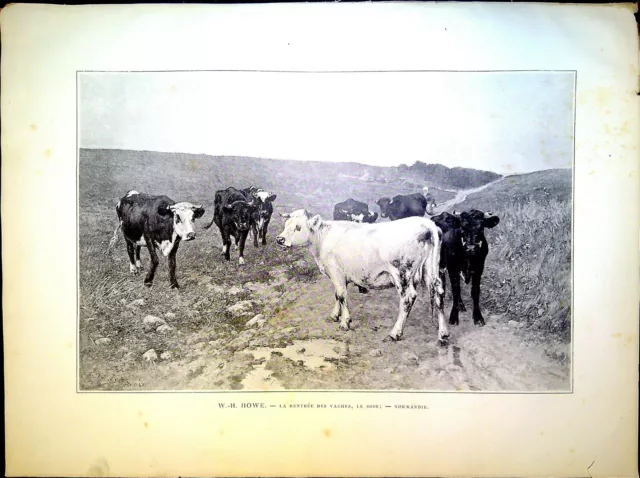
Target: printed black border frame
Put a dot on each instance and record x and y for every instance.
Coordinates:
(353, 391)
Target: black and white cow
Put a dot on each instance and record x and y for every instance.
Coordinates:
(352, 210)
(402, 206)
(262, 216)
(156, 222)
(464, 250)
(402, 254)
(233, 214)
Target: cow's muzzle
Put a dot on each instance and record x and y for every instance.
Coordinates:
(281, 241)
(190, 237)
(471, 249)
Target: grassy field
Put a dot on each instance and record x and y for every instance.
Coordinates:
(528, 271)
(207, 344)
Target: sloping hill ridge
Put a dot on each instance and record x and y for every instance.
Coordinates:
(276, 173)
(456, 178)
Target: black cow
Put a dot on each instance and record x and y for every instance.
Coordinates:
(158, 223)
(233, 214)
(404, 206)
(464, 250)
(262, 216)
(352, 210)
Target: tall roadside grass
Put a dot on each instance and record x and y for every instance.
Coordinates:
(528, 271)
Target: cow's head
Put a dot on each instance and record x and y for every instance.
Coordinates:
(241, 213)
(184, 214)
(471, 225)
(371, 217)
(298, 229)
(383, 203)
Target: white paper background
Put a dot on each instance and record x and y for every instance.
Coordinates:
(51, 430)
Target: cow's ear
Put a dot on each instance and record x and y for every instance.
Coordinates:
(490, 220)
(272, 197)
(164, 209)
(315, 222)
(198, 212)
(286, 215)
(446, 221)
(227, 207)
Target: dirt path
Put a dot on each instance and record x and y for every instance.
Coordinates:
(300, 348)
(461, 196)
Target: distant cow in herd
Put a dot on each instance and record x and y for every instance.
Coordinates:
(464, 250)
(402, 206)
(263, 212)
(236, 212)
(355, 211)
(156, 222)
(402, 254)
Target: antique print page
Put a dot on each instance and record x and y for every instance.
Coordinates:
(351, 239)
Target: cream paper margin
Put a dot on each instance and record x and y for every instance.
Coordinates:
(52, 430)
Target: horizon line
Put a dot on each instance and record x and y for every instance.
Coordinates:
(328, 162)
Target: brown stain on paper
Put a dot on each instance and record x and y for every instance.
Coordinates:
(327, 432)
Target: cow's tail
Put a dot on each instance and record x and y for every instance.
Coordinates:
(211, 223)
(431, 268)
(114, 239)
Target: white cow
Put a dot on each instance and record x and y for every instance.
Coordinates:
(401, 253)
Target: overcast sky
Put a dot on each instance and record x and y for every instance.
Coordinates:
(503, 122)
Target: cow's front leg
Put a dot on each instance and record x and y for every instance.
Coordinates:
(242, 240)
(154, 262)
(132, 265)
(226, 245)
(263, 233)
(475, 296)
(172, 267)
(454, 276)
(138, 263)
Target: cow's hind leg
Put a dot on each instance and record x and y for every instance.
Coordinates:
(341, 309)
(138, 262)
(154, 263)
(408, 296)
(437, 302)
(132, 264)
(255, 232)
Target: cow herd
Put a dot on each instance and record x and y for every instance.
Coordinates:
(405, 252)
